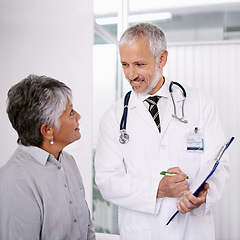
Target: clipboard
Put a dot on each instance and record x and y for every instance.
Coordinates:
(204, 175)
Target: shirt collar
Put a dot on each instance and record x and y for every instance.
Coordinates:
(37, 153)
(162, 92)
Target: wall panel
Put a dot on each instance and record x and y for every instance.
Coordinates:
(214, 68)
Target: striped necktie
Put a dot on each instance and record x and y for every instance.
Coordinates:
(153, 109)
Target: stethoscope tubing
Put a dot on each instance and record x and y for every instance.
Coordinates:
(179, 85)
(123, 123)
(124, 137)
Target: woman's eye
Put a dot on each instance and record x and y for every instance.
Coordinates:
(72, 112)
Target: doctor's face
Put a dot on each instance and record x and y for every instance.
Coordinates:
(140, 67)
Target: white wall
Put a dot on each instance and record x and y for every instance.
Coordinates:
(214, 68)
(52, 38)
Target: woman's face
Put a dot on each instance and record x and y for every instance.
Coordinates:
(69, 130)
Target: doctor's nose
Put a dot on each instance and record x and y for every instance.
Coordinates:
(132, 74)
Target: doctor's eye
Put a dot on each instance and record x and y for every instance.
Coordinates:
(141, 64)
(124, 64)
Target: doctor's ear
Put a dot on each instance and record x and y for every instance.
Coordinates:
(163, 59)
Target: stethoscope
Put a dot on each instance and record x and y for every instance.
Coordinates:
(174, 115)
(124, 137)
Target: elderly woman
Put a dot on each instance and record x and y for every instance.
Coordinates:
(41, 189)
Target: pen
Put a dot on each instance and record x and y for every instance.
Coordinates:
(166, 173)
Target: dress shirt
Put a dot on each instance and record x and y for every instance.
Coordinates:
(42, 198)
(161, 104)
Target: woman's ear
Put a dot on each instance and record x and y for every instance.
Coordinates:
(46, 131)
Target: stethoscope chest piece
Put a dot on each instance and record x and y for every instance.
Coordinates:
(124, 137)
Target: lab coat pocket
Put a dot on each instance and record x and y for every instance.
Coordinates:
(134, 225)
(192, 163)
(200, 227)
(141, 234)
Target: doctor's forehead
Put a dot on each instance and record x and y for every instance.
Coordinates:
(136, 51)
(134, 46)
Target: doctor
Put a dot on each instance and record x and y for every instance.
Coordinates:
(128, 175)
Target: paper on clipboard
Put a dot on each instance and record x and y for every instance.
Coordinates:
(204, 175)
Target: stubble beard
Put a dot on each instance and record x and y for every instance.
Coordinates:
(155, 80)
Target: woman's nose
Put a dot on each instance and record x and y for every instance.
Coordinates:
(78, 117)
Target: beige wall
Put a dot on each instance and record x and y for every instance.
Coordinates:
(52, 38)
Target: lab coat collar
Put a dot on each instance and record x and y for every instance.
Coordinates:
(136, 102)
(162, 92)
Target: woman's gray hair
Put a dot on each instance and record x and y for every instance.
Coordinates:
(34, 101)
(153, 34)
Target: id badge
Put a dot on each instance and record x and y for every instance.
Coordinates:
(194, 141)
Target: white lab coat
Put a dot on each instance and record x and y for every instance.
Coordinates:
(128, 174)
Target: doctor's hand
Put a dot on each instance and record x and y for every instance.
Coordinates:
(173, 186)
(189, 202)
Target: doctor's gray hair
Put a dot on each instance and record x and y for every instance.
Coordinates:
(34, 101)
(153, 34)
